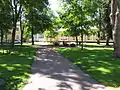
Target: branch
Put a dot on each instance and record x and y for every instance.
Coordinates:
(18, 14)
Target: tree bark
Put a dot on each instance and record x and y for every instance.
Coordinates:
(108, 26)
(107, 41)
(13, 35)
(113, 11)
(81, 41)
(109, 33)
(2, 34)
(100, 27)
(32, 36)
(115, 20)
(117, 34)
(98, 40)
(6, 37)
(76, 40)
(32, 31)
(16, 14)
(21, 28)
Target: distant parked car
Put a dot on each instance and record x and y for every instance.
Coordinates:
(17, 41)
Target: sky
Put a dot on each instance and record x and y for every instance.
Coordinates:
(54, 5)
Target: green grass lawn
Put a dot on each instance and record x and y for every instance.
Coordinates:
(98, 62)
(15, 67)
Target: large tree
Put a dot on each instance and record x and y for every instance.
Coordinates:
(115, 21)
(108, 26)
(78, 16)
(16, 6)
(5, 19)
(36, 16)
(35, 9)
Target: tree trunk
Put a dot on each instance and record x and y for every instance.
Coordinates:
(117, 34)
(82, 41)
(21, 28)
(2, 34)
(108, 26)
(13, 34)
(107, 41)
(98, 40)
(76, 40)
(103, 35)
(16, 13)
(6, 37)
(100, 28)
(32, 33)
(109, 32)
(115, 20)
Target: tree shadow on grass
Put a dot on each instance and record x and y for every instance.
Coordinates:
(100, 64)
(15, 67)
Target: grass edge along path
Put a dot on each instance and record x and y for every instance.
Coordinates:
(99, 63)
(15, 67)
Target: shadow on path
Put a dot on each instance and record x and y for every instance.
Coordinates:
(51, 71)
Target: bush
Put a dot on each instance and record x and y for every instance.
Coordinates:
(72, 45)
(56, 43)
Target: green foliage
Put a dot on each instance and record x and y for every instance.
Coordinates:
(50, 34)
(27, 33)
(36, 15)
(76, 17)
(65, 33)
(33, 13)
(5, 17)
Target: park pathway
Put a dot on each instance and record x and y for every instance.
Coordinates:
(51, 71)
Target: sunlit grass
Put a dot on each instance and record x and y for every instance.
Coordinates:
(15, 66)
(98, 62)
